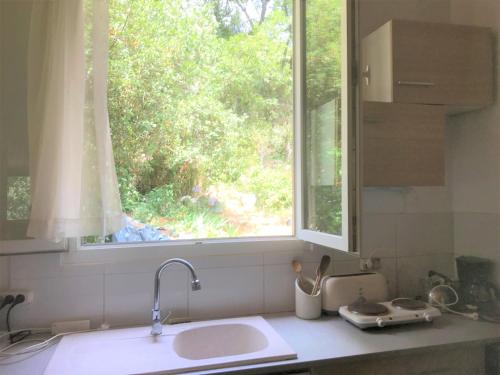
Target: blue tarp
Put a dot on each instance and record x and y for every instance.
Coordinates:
(133, 233)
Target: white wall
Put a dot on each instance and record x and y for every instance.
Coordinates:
(475, 148)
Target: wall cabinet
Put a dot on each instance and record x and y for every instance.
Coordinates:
(428, 63)
(403, 144)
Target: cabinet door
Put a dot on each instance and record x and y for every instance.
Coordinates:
(403, 144)
(437, 63)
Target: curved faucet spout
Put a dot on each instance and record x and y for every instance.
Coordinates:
(157, 326)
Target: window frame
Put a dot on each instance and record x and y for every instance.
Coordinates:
(75, 252)
(347, 241)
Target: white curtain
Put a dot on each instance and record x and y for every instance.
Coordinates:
(73, 177)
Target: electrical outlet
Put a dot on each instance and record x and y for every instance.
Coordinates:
(370, 264)
(28, 295)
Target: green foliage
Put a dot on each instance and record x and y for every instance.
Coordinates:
(323, 100)
(200, 95)
(18, 198)
(323, 55)
(187, 215)
(272, 187)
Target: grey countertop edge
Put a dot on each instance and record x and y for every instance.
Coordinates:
(450, 323)
(331, 340)
(297, 364)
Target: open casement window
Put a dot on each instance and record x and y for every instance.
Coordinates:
(323, 118)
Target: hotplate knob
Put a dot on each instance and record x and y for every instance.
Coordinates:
(380, 322)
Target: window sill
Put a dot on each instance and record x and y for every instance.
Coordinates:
(215, 247)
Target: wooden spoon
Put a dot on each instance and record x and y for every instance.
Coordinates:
(320, 271)
(297, 267)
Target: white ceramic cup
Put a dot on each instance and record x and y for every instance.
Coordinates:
(307, 306)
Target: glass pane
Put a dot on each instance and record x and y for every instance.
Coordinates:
(201, 112)
(15, 196)
(323, 156)
(18, 198)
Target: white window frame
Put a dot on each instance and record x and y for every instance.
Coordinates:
(345, 241)
(76, 253)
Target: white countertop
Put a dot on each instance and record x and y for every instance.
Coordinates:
(319, 342)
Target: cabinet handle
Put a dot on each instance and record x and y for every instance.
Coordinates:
(415, 83)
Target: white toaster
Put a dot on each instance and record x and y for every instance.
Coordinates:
(343, 290)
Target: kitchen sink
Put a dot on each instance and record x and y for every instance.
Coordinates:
(219, 340)
(181, 348)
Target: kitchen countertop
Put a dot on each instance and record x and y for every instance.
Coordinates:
(330, 339)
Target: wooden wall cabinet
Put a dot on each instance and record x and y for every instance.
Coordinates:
(403, 144)
(428, 63)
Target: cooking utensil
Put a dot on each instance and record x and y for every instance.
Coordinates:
(320, 271)
(297, 267)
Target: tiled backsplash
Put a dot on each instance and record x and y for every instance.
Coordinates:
(410, 243)
(121, 293)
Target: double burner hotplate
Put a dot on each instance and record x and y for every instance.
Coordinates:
(399, 311)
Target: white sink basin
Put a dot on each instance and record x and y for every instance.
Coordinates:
(181, 348)
(219, 340)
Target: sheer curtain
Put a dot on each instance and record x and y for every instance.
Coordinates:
(74, 184)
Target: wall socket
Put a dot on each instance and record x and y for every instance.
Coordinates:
(28, 295)
(370, 264)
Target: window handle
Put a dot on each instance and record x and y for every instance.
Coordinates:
(366, 74)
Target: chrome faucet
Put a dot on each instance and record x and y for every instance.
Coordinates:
(156, 328)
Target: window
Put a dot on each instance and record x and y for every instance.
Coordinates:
(324, 123)
(229, 119)
(200, 97)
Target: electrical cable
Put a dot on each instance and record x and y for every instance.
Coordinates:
(34, 330)
(12, 338)
(36, 347)
(7, 301)
(446, 306)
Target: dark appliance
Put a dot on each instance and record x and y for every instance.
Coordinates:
(476, 289)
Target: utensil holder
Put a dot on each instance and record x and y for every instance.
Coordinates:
(307, 306)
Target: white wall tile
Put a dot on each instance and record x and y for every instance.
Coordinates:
(383, 201)
(389, 270)
(412, 271)
(283, 257)
(37, 266)
(346, 267)
(477, 234)
(425, 199)
(228, 292)
(419, 234)
(279, 290)
(379, 235)
(60, 298)
(129, 297)
(149, 265)
(223, 261)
